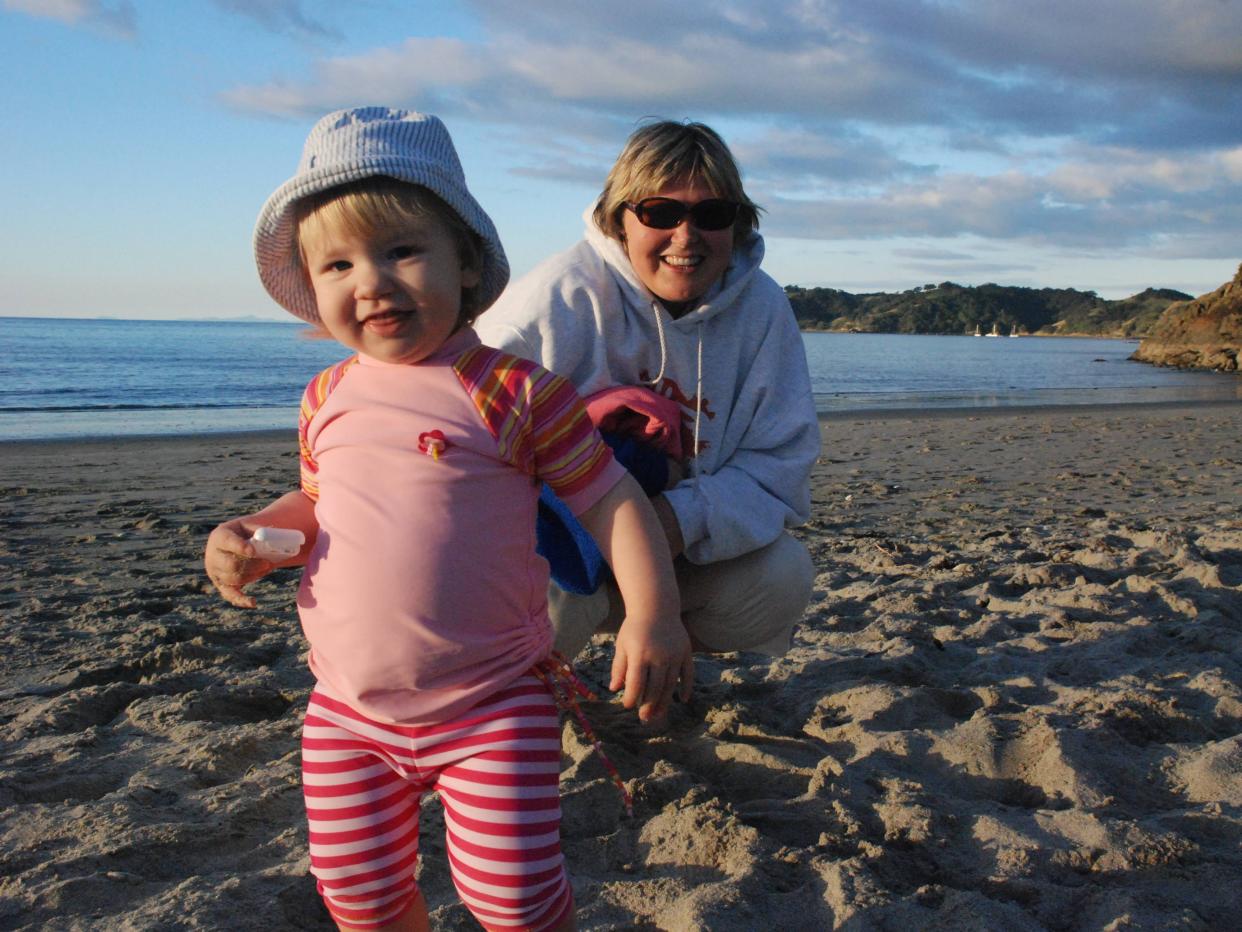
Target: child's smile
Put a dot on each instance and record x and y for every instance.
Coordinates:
(395, 295)
(387, 323)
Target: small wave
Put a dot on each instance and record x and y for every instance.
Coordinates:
(185, 406)
(40, 392)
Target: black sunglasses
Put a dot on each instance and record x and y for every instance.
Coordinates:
(664, 213)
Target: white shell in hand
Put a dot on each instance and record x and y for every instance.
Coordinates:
(277, 543)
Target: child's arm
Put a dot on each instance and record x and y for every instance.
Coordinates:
(653, 648)
(230, 558)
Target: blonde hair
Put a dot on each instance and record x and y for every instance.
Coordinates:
(658, 155)
(368, 207)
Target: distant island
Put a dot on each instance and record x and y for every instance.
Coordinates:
(1000, 310)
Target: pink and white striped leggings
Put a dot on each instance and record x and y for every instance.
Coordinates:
(497, 769)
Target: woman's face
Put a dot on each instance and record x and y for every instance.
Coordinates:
(679, 265)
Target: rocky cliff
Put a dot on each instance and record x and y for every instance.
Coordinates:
(1205, 333)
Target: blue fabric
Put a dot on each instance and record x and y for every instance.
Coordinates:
(576, 563)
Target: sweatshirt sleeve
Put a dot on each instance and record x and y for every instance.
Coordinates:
(763, 485)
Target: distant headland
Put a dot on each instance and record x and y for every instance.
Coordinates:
(1176, 329)
(1000, 310)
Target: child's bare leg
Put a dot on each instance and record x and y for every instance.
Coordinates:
(413, 919)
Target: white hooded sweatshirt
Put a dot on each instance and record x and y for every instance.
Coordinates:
(736, 364)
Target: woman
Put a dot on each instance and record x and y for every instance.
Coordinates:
(665, 291)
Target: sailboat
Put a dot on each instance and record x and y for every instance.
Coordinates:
(978, 333)
(995, 329)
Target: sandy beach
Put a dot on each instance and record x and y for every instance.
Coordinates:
(1015, 701)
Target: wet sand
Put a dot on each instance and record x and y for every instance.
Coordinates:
(1014, 702)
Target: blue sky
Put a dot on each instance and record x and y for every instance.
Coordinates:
(1095, 145)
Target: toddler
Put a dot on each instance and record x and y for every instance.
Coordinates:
(423, 598)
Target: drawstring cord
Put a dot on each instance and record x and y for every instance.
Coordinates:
(698, 405)
(556, 673)
(698, 380)
(659, 318)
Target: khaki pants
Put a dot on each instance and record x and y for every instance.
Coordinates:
(751, 602)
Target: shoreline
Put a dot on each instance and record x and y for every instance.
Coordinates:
(262, 434)
(1136, 408)
(1014, 701)
(1133, 338)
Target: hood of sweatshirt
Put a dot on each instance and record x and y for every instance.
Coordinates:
(640, 301)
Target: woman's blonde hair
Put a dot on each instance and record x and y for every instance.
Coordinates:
(661, 153)
(368, 207)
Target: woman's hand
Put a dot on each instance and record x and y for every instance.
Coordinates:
(668, 523)
(676, 472)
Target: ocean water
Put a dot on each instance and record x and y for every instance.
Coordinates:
(873, 371)
(102, 378)
(83, 378)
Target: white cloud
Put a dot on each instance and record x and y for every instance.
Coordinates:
(1231, 163)
(1116, 69)
(1108, 173)
(116, 19)
(1115, 121)
(1094, 204)
(418, 72)
(67, 11)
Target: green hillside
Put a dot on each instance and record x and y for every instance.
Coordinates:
(952, 308)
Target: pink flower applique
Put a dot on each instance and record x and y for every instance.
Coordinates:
(432, 442)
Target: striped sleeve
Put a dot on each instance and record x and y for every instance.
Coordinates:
(317, 391)
(539, 422)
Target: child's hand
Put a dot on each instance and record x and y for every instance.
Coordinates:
(231, 563)
(650, 661)
(653, 648)
(231, 560)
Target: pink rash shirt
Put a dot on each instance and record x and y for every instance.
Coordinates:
(423, 594)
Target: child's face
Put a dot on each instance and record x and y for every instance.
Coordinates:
(395, 295)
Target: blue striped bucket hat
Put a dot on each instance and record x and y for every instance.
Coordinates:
(350, 145)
